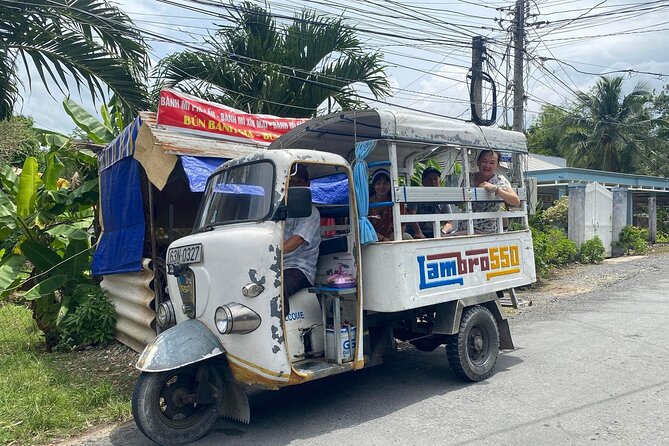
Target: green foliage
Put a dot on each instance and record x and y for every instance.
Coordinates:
(558, 214)
(18, 331)
(610, 131)
(72, 43)
(92, 321)
(49, 396)
(592, 251)
(18, 141)
(633, 240)
(419, 167)
(552, 248)
(543, 136)
(47, 220)
(99, 132)
(286, 70)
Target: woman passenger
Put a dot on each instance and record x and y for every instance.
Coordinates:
(487, 177)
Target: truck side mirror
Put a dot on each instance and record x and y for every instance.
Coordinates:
(297, 206)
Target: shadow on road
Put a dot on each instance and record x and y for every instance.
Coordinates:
(338, 402)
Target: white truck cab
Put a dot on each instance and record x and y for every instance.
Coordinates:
(225, 280)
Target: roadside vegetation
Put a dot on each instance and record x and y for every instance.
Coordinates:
(552, 247)
(56, 395)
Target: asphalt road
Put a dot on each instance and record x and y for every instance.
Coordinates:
(589, 367)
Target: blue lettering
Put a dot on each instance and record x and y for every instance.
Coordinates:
(434, 274)
(295, 316)
(432, 271)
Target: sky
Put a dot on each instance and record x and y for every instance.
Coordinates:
(427, 47)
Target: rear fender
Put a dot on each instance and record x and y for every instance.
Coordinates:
(449, 314)
(185, 343)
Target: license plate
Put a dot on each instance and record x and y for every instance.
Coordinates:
(184, 255)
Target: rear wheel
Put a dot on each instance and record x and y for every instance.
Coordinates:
(164, 404)
(472, 353)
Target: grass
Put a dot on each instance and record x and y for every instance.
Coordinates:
(46, 396)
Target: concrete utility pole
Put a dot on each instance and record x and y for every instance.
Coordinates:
(518, 78)
(477, 69)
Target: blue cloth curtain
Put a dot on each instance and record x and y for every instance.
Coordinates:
(361, 180)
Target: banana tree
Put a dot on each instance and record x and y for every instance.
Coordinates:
(48, 221)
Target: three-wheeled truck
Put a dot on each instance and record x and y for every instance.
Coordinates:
(225, 280)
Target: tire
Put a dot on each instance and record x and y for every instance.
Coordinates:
(160, 412)
(473, 352)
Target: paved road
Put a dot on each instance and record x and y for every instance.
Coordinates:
(588, 368)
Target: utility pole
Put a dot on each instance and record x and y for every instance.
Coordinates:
(518, 78)
(477, 84)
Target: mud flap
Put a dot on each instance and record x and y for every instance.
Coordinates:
(505, 340)
(235, 401)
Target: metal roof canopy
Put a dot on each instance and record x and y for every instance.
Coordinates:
(414, 133)
(571, 175)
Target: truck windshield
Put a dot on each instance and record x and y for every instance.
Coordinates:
(239, 194)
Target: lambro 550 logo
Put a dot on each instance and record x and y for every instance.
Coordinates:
(451, 268)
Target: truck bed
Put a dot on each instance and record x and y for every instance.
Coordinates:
(414, 273)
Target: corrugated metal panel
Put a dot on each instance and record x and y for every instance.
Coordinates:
(537, 163)
(417, 131)
(184, 143)
(133, 297)
(157, 148)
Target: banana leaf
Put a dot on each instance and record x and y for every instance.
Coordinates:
(77, 260)
(54, 166)
(44, 258)
(10, 181)
(7, 207)
(46, 287)
(28, 183)
(69, 231)
(51, 139)
(10, 269)
(95, 130)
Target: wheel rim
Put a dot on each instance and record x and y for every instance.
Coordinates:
(478, 343)
(176, 401)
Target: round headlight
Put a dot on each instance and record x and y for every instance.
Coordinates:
(166, 315)
(223, 320)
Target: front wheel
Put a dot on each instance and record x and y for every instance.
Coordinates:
(165, 404)
(472, 353)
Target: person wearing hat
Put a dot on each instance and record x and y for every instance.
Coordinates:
(431, 177)
(302, 238)
(382, 217)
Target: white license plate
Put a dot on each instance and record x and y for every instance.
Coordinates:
(184, 255)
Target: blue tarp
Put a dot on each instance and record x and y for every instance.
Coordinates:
(198, 170)
(332, 189)
(122, 240)
(120, 247)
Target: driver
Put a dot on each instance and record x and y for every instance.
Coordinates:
(302, 236)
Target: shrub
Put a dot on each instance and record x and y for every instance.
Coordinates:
(592, 251)
(92, 322)
(633, 239)
(558, 214)
(552, 248)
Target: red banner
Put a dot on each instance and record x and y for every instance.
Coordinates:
(176, 109)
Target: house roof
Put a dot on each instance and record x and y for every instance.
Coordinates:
(574, 175)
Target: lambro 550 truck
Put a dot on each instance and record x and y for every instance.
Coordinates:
(225, 280)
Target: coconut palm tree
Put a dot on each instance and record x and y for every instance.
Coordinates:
(86, 43)
(257, 66)
(609, 131)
